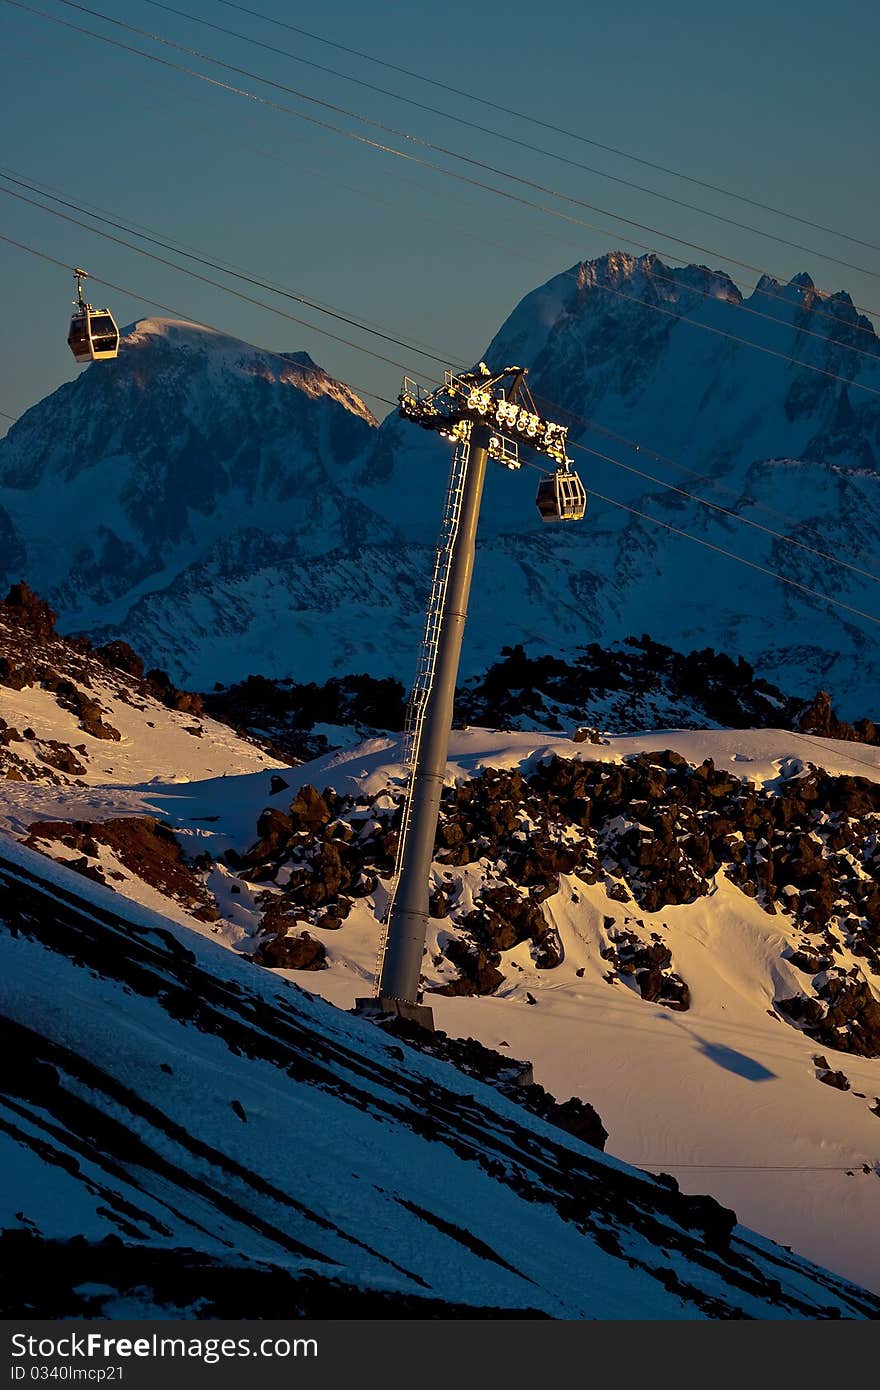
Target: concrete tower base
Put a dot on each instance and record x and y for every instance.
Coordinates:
(385, 1007)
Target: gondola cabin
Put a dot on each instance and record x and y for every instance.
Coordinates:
(93, 335)
(561, 496)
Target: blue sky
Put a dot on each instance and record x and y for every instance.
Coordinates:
(779, 103)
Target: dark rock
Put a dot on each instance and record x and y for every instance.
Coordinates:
(163, 688)
(309, 809)
(90, 718)
(301, 952)
(479, 972)
(715, 1221)
(16, 672)
(60, 756)
(31, 612)
(144, 846)
(808, 961)
(802, 1009)
(837, 1079)
(275, 830)
(438, 903)
(121, 657)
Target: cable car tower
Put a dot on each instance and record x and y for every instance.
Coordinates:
(484, 415)
(93, 335)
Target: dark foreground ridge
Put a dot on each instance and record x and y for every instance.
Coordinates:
(163, 1099)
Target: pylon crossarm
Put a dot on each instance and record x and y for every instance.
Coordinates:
(500, 399)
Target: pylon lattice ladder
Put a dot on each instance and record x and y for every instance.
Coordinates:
(427, 661)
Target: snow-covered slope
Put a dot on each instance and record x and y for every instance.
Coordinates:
(70, 716)
(758, 878)
(253, 1151)
(726, 1095)
(192, 460)
(228, 515)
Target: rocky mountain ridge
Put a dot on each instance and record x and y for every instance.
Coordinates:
(227, 515)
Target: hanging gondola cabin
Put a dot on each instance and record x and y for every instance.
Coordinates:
(561, 496)
(93, 335)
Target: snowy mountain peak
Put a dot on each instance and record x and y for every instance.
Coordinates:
(224, 354)
(636, 274)
(621, 292)
(187, 448)
(824, 313)
(234, 511)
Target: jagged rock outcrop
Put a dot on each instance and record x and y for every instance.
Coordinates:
(654, 830)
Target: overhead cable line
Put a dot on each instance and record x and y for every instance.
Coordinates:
(410, 137)
(50, 190)
(704, 502)
(547, 125)
(860, 1166)
(824, 313)
(408, 344)
(720, 550)
(707, 479)
(90, 209)
(180, 314)
(740, 559)
(728, 512)
(509, 139)
(229, 270)
(744, 342)
(790, 540)
(850, 757)
(216, 284)
(504, 193)
(818, 309)
(728, 554)
(872, 353)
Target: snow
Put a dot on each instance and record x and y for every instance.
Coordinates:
(154, 756)
(232, 356)
(350, 1163)
(214, 788)
(756, 755)
(725, 1087)
(305, 548)
(724, 1096)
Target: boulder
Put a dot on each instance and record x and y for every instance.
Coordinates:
(17, 672)
(309, 810)
(31, 612)
(837, 1079)
(285, 952)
